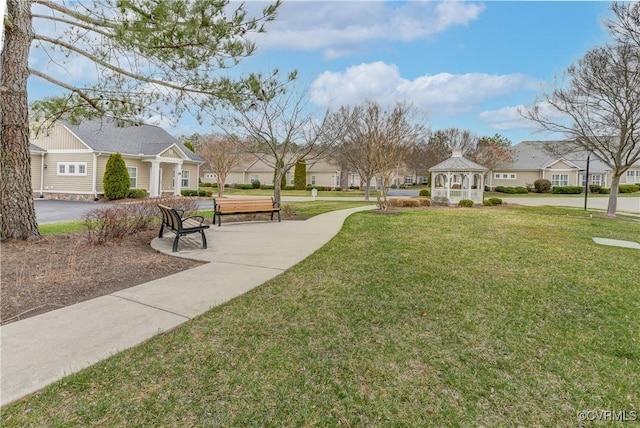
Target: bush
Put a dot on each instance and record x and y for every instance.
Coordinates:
(500, 189)
(300, 176)
(605, 190)
(354, 187)
(288, 210)
(116, 178)
(440, 200)
(255, 184)
(288, 188)
(521, 189)
(206, 184)
(425, 193)
(338, 189)
(115, 222)
(243, 186)
(595, 188)
(267, 187)
(542, 185)
(189, 192)
(424, 202)
(137, 193)
(567, 190)
(467, 203)
(628, 188)
(492, 202)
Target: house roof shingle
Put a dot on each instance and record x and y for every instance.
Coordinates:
(110, 135)
(457, 163)
(535, 155)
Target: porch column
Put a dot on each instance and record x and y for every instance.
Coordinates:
(154, 179)
(177, 173)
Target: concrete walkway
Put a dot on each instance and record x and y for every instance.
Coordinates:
(40, 350)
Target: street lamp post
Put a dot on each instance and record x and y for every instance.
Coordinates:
(586, 182)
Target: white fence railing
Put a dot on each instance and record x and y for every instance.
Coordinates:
(456, 195)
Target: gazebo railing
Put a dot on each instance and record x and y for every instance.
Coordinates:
(456, 195)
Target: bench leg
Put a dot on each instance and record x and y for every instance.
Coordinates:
(175, 243)
(204, 240)
(279, 217)
(161, 229)
(219, 220)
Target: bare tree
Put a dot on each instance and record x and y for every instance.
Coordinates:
(376, 142)
(492, 152)
(395, 134)
(355, 145)
(276, 126)
(599, 110)
(148, 54)
(221, 153)
(626, 27)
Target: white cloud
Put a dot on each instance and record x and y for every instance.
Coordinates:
(442, 94)
(341, 28)
(508, 118)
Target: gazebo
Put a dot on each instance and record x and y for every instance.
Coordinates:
(457, 178)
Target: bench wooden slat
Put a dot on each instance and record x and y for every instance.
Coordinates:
(244, 206)
(181, 226)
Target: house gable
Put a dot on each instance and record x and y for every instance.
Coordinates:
(58, 137)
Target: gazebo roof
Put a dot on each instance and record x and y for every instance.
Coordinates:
(457, 163)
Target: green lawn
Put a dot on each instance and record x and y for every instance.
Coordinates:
(460, 317)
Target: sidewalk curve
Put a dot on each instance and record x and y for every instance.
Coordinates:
(37, 351)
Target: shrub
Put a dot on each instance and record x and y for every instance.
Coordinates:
(395, 202)
(542, 185)
(255, 184)
(425, 192)
(605, 190)
(500, 189)
(116, 178)
(288, 188)
(287, 210)
(440, 200)
(300, 176)
(410, 203)
(189, 192)
(492, 202)
(267, 187)
(467, 203)
(628, 188)
(424, 202)
(595, 188)
(338, 189)
(521, 189)
(567, 190)
(243, 186)
(354, 187)
(115, 222)
(206, 184)
(137, 194)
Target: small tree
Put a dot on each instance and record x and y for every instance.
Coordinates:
(300, 176)
(221, 154)
(116, 178)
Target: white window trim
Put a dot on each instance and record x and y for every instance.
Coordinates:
(505, 176)
(185, 177)
(135, 177)
(76, 165)
(558, 181)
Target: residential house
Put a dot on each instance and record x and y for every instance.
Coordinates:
(535, 160)
(68, 161)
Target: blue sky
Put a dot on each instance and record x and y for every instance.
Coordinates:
(467, 64)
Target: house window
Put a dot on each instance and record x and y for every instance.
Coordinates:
(313, 180)
(596, 179)
(408, 180)
(210, 175)
(255, 177)
(505, 176)
(133, 177)
(185, 178)
(72, 168)
(633, 176)
(560, 180)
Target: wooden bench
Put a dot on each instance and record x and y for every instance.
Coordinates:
(172, 218)
(253, 205)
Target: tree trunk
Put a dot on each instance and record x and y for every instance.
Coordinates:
(277, 185)
(17, 211)
(613, 196)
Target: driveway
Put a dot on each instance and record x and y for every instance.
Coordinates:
(53, 211)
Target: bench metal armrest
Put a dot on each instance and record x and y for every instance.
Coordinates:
(179, 211)
(196, 217)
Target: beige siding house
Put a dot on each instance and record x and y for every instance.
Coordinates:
(68, 161)
(535, 160)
